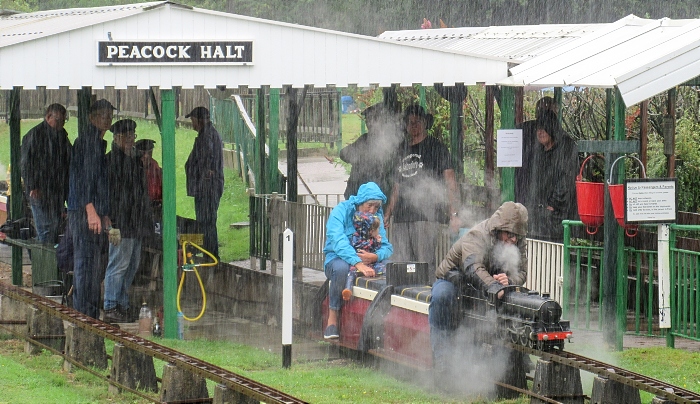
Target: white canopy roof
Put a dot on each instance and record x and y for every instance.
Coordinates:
(641, 57)
(517, 43)
(60, 48)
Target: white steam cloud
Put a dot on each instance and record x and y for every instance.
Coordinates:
(507, 257)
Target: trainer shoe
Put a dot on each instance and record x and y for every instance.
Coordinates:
(114, 316)
(331, 332)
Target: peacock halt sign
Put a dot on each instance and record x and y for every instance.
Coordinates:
(176, 52)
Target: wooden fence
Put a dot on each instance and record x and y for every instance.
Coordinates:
(130, 102)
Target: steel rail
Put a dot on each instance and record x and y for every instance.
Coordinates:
(235, 382)
(657, 387)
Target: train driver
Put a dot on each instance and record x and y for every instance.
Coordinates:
(491, 255)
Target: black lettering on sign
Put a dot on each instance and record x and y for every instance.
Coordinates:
(158, 52)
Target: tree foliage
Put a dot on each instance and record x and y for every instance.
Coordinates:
(374, 17)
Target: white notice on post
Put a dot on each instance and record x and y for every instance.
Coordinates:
(509, 148)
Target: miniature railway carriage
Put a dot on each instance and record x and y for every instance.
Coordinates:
(391, 321)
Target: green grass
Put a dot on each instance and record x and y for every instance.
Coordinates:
(234, 203)
(39, 379)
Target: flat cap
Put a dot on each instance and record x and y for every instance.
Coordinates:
(144, 145)
(100, 105)
(124, 125)
(199, 113)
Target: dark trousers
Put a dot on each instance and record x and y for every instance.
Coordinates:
(206, 210)
(88, 264)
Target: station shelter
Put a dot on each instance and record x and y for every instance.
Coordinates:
(166, 45)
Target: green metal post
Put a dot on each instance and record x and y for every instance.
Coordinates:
(169, 221)
(566, 268)
(261, 182)
(274, 139)
(507, 122)
(621, 269)
(670, 338)
(260, 137)
(421, 96)
(15, 178)
(339, 108)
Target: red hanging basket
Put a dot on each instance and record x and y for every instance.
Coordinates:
(590, 198)
(617, 198)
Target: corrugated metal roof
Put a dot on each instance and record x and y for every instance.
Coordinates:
(642, 57)
(516, 43)
(59, 48)
(17, 28)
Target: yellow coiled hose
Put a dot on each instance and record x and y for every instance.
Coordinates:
(192, 267)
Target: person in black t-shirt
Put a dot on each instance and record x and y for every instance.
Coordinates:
(425, 194)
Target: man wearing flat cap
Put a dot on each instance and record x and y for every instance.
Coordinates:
(88, 208)
(130, 211)
(204, 171)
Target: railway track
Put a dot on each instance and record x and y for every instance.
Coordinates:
(644, 383)
(233, 381)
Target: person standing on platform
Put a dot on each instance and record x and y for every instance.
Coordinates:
(154, 174)
(373, 153)
(204, 170)
(425, 195)
(45, 163)
(523, 174)
(553, 190)
(88, 208)
(130, 211)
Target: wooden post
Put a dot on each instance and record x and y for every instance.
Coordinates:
(489, 168)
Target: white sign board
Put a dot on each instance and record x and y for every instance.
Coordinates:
(650, 200)
(509, 148)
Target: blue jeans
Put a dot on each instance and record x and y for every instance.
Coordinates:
(206, 211)
(87, 264)
(123, 264)
(337, 272)
(442, 316)
(47, 217)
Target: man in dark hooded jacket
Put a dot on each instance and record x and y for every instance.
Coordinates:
(553, 185)
(473, 255)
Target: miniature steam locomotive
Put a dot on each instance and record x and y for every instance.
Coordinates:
(391, 321)
(522, 316)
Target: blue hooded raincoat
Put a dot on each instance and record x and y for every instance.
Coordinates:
(340, 227)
